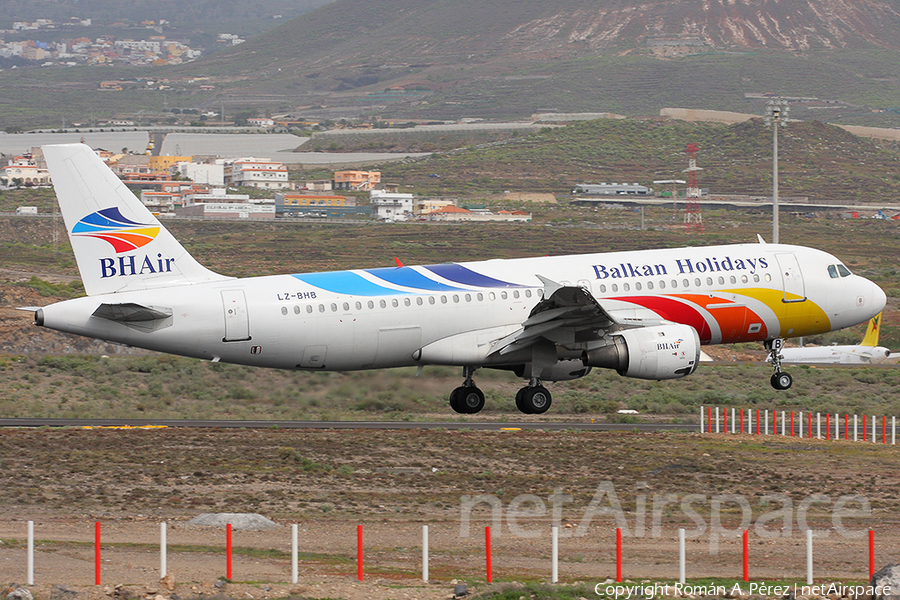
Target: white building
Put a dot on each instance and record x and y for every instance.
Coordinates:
(21, 172)
(391, 206)
(256, 172)
(201, 173)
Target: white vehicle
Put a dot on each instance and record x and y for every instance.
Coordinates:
(867, 352)
(643, 313)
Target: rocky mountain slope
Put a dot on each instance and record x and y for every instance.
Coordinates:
(465, 58)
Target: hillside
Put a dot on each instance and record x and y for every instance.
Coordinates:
(500, 59)
(448, 59)
(818, 161)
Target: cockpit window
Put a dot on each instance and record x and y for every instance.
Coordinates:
(844, 271)
(832, 271)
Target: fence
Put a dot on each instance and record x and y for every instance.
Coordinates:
(620, 552)
(791, 423)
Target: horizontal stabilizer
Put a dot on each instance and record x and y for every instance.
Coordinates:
(130, 312)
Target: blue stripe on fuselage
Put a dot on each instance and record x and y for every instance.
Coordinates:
(409, 277)
(347, 283)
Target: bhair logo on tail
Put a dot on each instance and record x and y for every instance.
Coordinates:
(109, 225)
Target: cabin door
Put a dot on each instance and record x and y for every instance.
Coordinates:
(237, 320)
(791, 278)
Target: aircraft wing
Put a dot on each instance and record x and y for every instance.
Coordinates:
(568, 315)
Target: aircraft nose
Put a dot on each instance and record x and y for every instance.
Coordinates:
(879, 299)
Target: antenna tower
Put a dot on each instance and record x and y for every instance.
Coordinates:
(693, 218)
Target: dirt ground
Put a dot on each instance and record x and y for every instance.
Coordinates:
(394, 482)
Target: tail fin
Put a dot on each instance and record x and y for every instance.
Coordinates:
(871, 338)
(119, 245)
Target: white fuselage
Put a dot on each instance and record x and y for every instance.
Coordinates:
(836, 355)
(378, 318)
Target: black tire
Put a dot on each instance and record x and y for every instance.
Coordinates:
(782, 381)
(522, 408)
(456, 400)
(536, 400)
(471, 400)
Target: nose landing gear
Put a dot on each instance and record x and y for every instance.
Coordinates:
(780, 380)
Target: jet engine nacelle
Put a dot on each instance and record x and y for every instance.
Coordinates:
(563, 370)
(661, 352)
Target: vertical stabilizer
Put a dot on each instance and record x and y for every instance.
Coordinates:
(871, 338)
(118, 244)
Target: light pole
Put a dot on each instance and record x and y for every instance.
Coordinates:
(776, 114)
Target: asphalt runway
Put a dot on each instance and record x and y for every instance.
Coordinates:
(230, 424)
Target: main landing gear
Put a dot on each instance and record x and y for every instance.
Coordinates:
(780, 380)
(467, 399)
(533, 399)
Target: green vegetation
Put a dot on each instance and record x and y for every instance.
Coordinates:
(818, 161)
(167, 387)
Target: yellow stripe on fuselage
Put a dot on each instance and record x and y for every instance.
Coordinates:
(795, 318)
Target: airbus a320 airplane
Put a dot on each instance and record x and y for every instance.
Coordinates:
(867, 352)
(643, 313)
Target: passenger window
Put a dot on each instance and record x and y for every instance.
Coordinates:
(625, 287)
(637, 286)
(309, 308)
(395, 303)
(383, 304)
(709, 281)
(333, 307)
(832, 271)
(756, 278)
(768, 277)
(371, 304)
(419, 300)
(733, 279)
(359, 306)
(615, 288)
(443, 299)
(697, 282)
(649, 285)
(662, 285)
(744, 279)
(516, 294)
(602, 289)
(468, 297)
(492, 296)
(721, 281)
(686, 283)
(284, 310)
(504, 295)
(321, 308)
(674, 284)
(346, 306)
(844, 271)
(480, 296)
(406, 302)
(430, 299)
(528, 293)
(296, 309)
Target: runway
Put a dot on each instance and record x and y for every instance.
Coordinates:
(386, 425)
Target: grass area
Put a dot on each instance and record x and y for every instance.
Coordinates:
(168, 387)
(736, 159)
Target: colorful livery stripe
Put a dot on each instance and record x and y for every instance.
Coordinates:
(111, 226)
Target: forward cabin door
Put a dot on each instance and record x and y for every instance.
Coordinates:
(237, 320)
(791, 278)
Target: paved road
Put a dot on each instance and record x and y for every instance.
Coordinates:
(229, 424)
